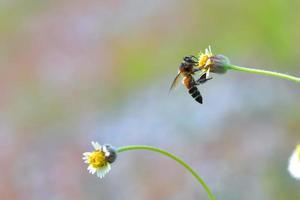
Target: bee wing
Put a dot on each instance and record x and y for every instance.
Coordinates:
(175, 82)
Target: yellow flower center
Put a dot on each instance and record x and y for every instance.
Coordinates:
(97, 159)
(203, 59)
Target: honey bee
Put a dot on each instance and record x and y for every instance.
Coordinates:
(187, 68)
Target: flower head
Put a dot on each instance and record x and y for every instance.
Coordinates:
(204, 58)
(294, 163)
(100, 159)
(208, 62)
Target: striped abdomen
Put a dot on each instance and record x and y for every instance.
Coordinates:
(189, 82)
(195, 93)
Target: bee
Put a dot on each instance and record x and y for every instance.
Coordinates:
(187, 69)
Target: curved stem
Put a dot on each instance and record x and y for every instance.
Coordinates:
(178, 160)
(264, 72)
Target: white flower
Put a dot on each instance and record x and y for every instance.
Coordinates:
(294, 163)
(100, 159)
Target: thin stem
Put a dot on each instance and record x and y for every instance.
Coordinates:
(264, 72)
(178, 160)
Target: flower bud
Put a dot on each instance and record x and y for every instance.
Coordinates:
(112, 153)
(219, 64)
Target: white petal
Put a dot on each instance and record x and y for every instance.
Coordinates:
(106, 152)
(108, 167)
(84, 158)
(96, 145)
(104, 149)
(209, 49)
(103, 171)
(91, 169)
(207, 73)
(294, 165)
(99, 174)
(206, 51)
(86, 153)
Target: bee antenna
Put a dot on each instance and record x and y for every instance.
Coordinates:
(195, 58)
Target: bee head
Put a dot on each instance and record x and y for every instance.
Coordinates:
(188, 63)
(189, 59)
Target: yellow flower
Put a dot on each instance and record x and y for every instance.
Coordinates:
(100, 159)
(294, 163)
(208, 62)
(205, 58)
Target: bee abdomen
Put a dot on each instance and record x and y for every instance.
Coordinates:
(194, 92)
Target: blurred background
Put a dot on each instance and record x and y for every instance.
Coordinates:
(76, 71)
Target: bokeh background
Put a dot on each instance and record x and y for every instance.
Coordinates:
(76, 71)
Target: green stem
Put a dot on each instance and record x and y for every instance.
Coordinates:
(178, 160)
(264, 72)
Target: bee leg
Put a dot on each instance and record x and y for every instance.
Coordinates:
(195, 58)
(202, 79)
(196, 70)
